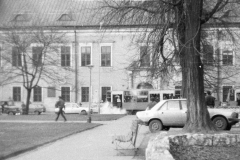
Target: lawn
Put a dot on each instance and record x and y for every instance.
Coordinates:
(70, 117)
(16, 138)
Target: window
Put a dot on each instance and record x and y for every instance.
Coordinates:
(17, 94)
(144, 56)
(86, 55)
(105, 95)
(127, 96)
(227, 57)
(142, 96)
(184, 105)
(228, 93)
(37, 94)
(173, 105)
(65, 56)
(16, 57)
(106, 56)
(178, 91)
(51, 92)
(65, 92)
(208, 55)
(66, 17)
(85, 94)
(37, 55)
(164, 106)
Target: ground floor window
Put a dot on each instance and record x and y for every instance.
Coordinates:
(17, 94)
(228, 93)
(105, 94)
(178, 91)
(65, 93)
(85, 94)
(37, 94)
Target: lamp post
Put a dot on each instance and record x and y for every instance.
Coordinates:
(90, 95)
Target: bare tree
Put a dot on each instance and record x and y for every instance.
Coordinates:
(32, 54)
(179, 24)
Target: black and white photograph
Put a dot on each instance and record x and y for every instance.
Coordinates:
(119, 79)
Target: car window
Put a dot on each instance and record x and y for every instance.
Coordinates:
(67, 105)
(173, 105)
(184, 105)
(164, 106)
(75, 105)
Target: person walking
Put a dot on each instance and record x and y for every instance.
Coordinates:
(60, 104)
(210, 100)
(238, 99)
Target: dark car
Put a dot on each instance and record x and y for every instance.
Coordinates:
(34, 109)
(9, 107)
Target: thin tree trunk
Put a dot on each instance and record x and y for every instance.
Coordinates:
(28, 100)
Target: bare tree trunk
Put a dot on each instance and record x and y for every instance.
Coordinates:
(181, 41)
(28, 100)
(198, 118)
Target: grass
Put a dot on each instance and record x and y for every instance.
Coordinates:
(17, 138)
(70, 117)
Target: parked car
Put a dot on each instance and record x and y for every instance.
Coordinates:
(74, 108)
(9, 107)
(34, 109)
(172, 113)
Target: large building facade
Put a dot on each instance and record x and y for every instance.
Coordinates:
(100, 58)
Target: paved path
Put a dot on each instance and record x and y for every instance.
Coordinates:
(94, 144)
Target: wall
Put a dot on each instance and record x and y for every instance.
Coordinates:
(159, 146)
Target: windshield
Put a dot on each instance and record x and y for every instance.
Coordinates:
(159, 104)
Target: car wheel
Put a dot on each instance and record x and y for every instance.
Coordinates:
(83, 112)
(155, 126)
(220, 123)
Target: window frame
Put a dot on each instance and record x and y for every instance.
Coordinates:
(106, 93)
(34, 100)
(232, 59)
(19, 93)
(232, 98)
(70, 56)
(33, 61)
(80, 53)
(88, 95)
(62, 95)
(17, 56)
(206, 58)
(148, 54)
(111, 54)
(172, 108)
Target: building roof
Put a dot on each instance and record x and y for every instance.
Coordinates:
(68, 13)
(49, 13)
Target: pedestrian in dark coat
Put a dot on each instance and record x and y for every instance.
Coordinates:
(238, 99)
(210, 100)
(60, 104)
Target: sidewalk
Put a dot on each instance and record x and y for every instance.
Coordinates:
(94, 144)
